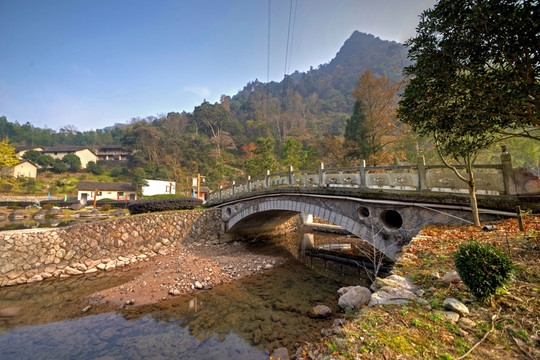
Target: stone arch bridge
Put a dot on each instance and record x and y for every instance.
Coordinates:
(387, 224)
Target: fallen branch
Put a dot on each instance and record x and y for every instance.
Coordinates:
(493, 318)
(522, 346)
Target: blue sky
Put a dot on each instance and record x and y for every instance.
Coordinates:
(94, 63)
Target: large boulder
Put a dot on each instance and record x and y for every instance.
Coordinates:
(455, 305)
(392, 295)
(354, 297)
(393, 281)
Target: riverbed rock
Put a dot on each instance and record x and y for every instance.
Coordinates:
(354, 297)
(280, 354)
(55, 211)
(35, 278)
(448, 315)
(393, 281)
(17, 214)
(320, 311)
(198, 285)
(455, 305)
(71, 271)
(10, 312)
(451, 277)
(392, 295)
(466, 323)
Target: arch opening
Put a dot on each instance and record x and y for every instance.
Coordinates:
(363, 212)
(391, 219)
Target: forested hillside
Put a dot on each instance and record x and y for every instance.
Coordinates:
(299, 121)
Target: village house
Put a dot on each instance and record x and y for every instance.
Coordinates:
(204, 191)
(83, 152)
(111, 152)
(158, 187)
(90, 190)
(23, 169)
(21, 150)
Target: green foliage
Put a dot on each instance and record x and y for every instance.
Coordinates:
(156, 205)
(483, 268)
(138, 180)
(48, 206)
(72, 161)
(356, 131)
(32, 155)
(45, 161)
(59, 166)
(475, 73)
(95, 168)
(294, 155)
(264, 159)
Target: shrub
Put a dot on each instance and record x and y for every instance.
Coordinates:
(106, 207)
(483, 268)
(145, 206)
(14, 206)
(6, 187)
(49, 206)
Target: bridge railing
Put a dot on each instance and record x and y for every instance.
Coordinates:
(495, 179)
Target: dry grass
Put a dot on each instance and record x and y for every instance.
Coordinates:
(414, 331)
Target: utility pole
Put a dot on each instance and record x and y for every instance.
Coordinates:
(198, 185)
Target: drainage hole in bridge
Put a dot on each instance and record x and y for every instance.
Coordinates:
(363, 212)
(391, 219)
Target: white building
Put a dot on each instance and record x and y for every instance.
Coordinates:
(158, 187)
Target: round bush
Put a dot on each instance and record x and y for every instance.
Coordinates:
(483, 268)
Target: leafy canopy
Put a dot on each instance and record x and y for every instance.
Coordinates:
(476, 73)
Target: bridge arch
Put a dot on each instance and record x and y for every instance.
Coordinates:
(386, 226)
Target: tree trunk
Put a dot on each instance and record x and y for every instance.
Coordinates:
(472, 195)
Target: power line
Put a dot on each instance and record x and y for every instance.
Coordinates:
(268, 57)
(292, 36)
(288, 39)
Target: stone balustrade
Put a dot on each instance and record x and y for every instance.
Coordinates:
(493, 179)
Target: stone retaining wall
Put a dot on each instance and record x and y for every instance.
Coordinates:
(36, 199)
(36, 254)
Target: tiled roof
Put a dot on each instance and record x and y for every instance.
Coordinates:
(65, 148)
(23, 148)
(105, 186)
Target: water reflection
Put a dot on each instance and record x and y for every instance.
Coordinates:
(27, 223)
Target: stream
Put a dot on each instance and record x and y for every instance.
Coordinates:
(245, 319)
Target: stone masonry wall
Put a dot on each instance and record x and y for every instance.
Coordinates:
(33, 255)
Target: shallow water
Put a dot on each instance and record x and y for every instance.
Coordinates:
(242, 320)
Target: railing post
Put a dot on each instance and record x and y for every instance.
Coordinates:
(508, 174)
(267, 179)
(220, 188)
(422, 180)
(362, 173)
(233, 183)
(290, 175)
(249, 183)
(321, 174)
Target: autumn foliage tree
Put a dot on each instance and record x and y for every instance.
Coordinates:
(7, 154)
(373, 126)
